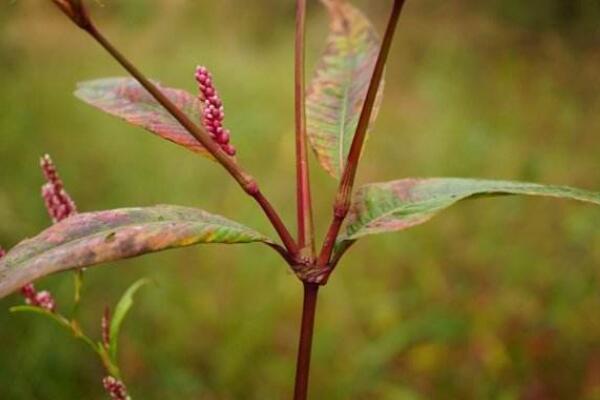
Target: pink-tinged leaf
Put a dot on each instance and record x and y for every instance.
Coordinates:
(339, 87)
(127, 99)
(398, 205)
(93, 238)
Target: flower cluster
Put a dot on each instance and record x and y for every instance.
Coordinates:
(58, 202)
(42, 299)
(2, 252)
(213, 113)
(115, 388)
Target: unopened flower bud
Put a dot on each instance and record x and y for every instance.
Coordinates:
(115, 388)
(46, 301)
(28, 291)
(43, 299)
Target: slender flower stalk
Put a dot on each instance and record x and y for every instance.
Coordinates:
(213, 112)
(306, 241)
(342, 202)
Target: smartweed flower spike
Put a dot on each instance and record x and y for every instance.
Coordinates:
(2, 252)
(58, 202)
(43, 299)
(213, 113)
(115, 388)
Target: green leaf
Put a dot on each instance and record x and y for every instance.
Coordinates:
(120, 313)
(127, 99)
(339, 87)
(58, 319)
(402, 204)
(93, 238)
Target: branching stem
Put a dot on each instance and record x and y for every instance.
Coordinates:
(342, 202)
(247, 182)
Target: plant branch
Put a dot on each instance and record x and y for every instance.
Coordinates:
(311, 292)
(342, 202)
(247, 182)
(306, 241)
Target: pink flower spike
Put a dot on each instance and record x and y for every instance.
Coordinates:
(58, 202)
(2, 252)
(213, 113)
(43, 299)
(115, 388)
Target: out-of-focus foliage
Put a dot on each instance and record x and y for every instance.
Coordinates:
(572, 16)
(492, 300)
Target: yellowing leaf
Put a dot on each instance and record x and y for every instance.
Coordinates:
(398, 205)
(339, 87)
(93, 238)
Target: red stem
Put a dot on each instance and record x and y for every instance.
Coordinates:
(342, 202)
(311, 292)
(247, 182)
(306, 241)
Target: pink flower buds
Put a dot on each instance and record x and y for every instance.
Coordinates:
(213, 112)
(42, 299)
(115, 388)
(58, 202)
(2, 252)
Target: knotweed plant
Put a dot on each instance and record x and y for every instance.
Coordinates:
(333, 114)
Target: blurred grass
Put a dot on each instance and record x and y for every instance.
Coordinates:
(495, 299)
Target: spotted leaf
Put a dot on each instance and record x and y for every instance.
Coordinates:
(93, 238)
(339, 87)
(402, 204)
(127, 99)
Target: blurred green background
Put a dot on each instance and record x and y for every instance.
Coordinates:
(497, 299)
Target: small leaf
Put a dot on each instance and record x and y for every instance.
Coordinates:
(339, 87)
(61, 321)
(127, 99)
(93, 238)
(121, 311)
(402, 204)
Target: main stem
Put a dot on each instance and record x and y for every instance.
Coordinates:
(311, 292)
(306, 242)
